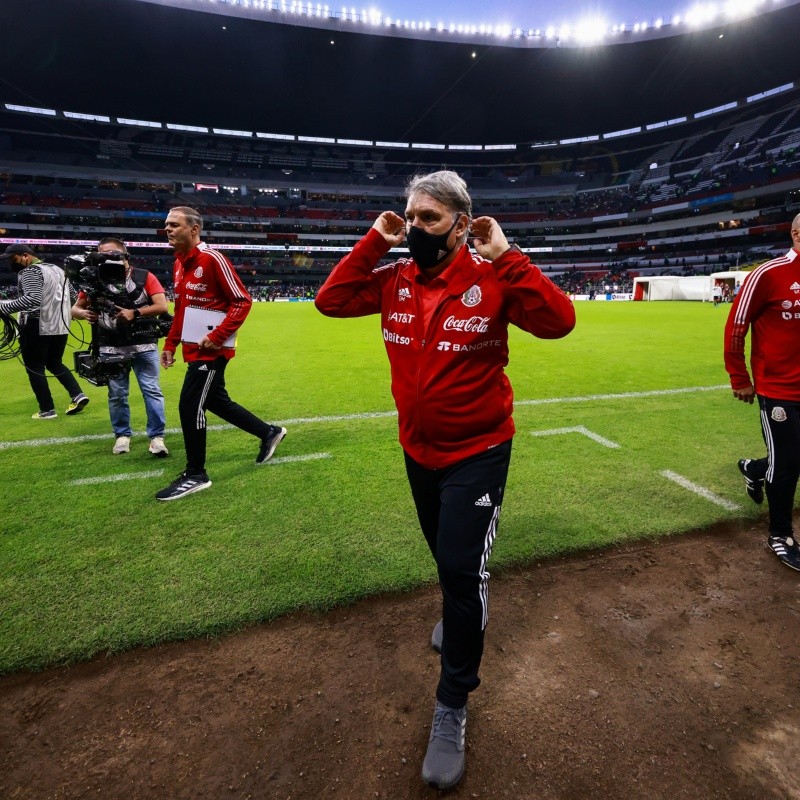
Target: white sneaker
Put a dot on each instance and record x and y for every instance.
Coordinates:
(122, 445)
(158, 448)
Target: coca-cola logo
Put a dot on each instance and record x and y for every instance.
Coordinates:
(469, 325)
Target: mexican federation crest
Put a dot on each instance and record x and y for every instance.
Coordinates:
(471, 297)
(778, 414)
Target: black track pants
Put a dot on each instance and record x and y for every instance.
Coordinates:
(780, 424)
(40, 353)
(204, 390)
(458, 508)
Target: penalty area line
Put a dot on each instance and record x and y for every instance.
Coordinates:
(699, 490)
(596, 437)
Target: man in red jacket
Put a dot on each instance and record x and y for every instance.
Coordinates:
(207, 289)
(769, 302)
(445, 314)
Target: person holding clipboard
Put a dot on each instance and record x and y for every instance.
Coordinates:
(211, 303)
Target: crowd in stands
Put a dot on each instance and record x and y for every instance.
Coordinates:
(279, 236)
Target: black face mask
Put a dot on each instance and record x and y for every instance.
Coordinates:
(428, 249)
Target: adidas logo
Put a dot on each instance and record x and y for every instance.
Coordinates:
(204, 368)
(484, 501)
(795, 287)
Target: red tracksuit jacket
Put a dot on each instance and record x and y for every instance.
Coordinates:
(769, 301)
(204, 278)
(447, 340)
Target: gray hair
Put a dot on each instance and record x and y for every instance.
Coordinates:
(446, 186)
(192, 217)
(796, 223)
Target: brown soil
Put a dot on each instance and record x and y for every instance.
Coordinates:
(665, 670)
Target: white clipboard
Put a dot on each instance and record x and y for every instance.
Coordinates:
(199, 322)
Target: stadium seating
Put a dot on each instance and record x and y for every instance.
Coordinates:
(718, 192)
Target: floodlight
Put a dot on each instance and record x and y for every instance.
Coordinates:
(740, 8)
(590, 30)
(701, 14)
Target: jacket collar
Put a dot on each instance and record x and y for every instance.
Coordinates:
(459, 275)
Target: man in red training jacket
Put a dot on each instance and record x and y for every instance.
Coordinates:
(769, 303)
(206, 282)
(445, 314)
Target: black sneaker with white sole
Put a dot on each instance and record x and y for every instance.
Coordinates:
(444, 762)
(753, 486)
(785, 547)
(269, 444)
(184, 484)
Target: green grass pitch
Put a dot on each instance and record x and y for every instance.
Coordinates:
(92, 567)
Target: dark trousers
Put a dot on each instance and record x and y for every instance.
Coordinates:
(780, 424)
(40, 353)
(204, 390)
(458, 509)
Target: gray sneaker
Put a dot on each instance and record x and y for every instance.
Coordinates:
(437, 635)
(444, 761)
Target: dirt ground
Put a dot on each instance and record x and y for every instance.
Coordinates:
(665, 670)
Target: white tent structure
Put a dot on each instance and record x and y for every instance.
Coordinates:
(696, 287)
(672, 287)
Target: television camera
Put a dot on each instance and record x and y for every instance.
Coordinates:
(102, 278)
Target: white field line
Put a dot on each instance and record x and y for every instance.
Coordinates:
(291, 459)
(128, 476)
(124, 476)
(577, 429)
(375, 415)
(699, 490)
(620, 396)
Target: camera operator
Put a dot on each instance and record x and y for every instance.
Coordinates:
(43, 303)
(115, 313)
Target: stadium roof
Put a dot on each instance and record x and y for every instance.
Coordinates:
(151, 61)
